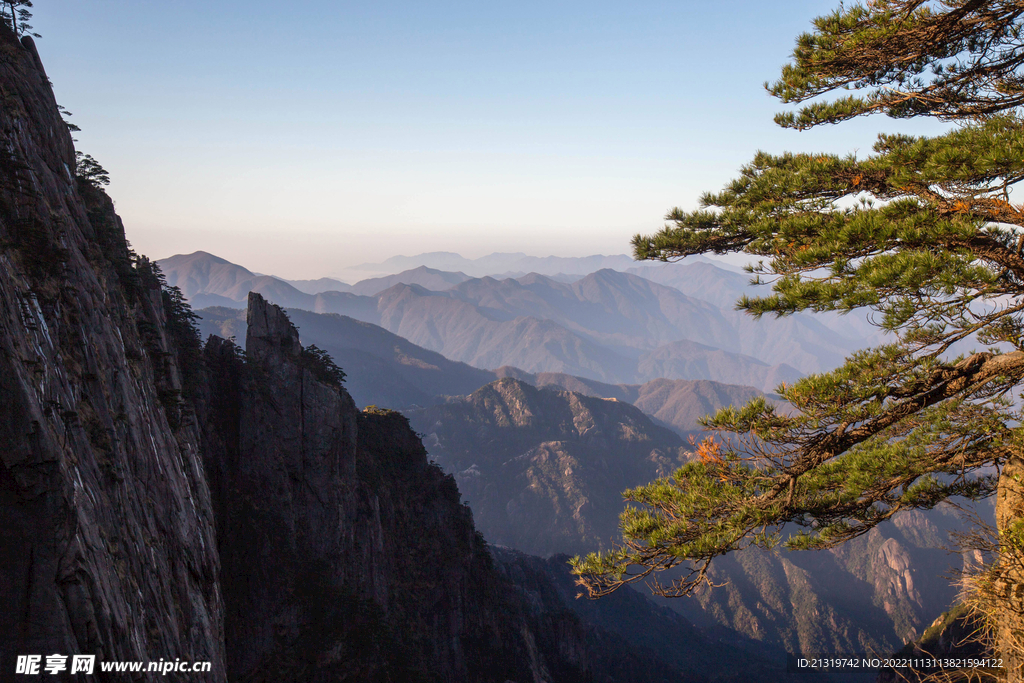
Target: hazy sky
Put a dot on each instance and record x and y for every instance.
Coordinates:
(299, 138)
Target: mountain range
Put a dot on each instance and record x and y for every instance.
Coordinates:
(389, 371)
(608, 326)
(498, 263)
(542, 457)
(543, 471)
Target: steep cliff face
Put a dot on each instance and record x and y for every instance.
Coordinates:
(106, 529)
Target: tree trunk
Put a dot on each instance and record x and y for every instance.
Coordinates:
(1009, 584)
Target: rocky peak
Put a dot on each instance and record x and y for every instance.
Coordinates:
(530, 461)
(270, 333)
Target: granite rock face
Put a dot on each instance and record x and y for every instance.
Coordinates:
(107, 542)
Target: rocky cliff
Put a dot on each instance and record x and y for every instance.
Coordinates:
(106, 526)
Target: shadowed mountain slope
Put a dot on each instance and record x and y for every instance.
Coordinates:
(539, 467)
(544, 469)
(719, 654)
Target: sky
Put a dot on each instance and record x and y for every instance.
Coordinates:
(302, 138)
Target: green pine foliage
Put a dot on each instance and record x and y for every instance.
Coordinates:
(950, 59)
(922, 233)
(323, 367)
(89, 170)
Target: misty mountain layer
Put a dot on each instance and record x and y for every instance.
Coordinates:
(608, 326)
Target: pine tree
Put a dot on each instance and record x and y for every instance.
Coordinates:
(16, 14)
(923, 233)
(89, 170)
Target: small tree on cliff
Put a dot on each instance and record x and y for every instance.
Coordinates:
(89, 170)
(923, 233)
(17, 15)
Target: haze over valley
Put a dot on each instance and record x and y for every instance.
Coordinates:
(611, 326)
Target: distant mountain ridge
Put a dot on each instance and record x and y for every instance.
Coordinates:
(608, 326)
(208, 280)
(497, 262)
(391, 372)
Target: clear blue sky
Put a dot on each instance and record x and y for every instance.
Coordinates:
(299, 138)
